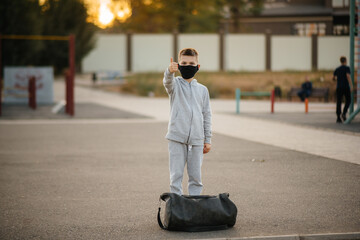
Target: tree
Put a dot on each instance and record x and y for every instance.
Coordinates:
(186, 16)
(66, 17)
(156, 16)
(55, 17)
(22, 18)
(238, 8)
(196, 16)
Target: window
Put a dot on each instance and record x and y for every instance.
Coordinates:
(341, 30)
(308, 29)
(340, 3)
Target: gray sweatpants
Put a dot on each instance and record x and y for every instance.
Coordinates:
(179, 155)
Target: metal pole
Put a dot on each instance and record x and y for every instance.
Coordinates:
(272, 100)
(238, 96)
(175, 45)
(358, 54)
(129, 52)
(72, 74)
(67, 91)
(1, 79)
(352, 22)
(222, 51)
(352, 31)
(352, 116)
(32, 92)
(268, 37)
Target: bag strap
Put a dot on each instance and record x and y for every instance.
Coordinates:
(159, 220)
(158, 216)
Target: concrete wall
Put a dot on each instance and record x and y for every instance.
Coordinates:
(330, 49)
(242, 52)
(208, 47)
(109, 54)
(151, 52)
(245, 52)
(290, 53)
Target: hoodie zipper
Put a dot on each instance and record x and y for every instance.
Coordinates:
(191, 96)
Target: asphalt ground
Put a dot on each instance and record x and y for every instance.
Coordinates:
(103, 180)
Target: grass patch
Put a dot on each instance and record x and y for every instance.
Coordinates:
(223, 84)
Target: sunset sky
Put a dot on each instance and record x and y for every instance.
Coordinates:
(103, 12)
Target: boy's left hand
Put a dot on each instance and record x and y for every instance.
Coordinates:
(207, 148)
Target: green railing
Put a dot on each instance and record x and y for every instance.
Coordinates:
(239, 94)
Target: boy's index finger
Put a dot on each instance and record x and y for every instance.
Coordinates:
(171, 60)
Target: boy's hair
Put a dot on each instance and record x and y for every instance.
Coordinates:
(343, 59)
(189, 52)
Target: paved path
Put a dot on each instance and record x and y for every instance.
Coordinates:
(320, 120)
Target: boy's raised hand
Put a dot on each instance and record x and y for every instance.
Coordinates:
(173, 67)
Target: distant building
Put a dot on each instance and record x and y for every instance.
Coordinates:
(299, 17)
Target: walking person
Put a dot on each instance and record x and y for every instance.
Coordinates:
(343, 89)
(189, 130)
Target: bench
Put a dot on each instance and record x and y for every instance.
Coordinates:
(315, 93)
(255, 94)
(239, 94)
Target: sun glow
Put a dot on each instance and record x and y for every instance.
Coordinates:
(104, 12)
(122, 10)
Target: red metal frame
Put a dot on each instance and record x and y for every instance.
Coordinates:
(32, 92)
(70, 82)
(70, 107)
(272, 100)
(306, 105)
(1, 81)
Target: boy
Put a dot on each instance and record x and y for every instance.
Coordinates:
(189, 130)
(343, 78)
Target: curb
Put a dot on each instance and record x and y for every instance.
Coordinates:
(325, 236)
(331, 236)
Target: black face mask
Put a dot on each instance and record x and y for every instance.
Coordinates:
(188, 71)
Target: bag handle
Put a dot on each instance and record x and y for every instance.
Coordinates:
(159, 220)
(158, 216)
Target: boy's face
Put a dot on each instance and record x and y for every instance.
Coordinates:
(188, 60)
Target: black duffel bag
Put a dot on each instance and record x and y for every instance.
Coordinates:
(197, 213)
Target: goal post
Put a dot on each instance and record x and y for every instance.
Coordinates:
(70, 76)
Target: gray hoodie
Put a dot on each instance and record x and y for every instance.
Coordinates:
(190, 113)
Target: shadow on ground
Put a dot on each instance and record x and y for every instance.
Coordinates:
(82, 111)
